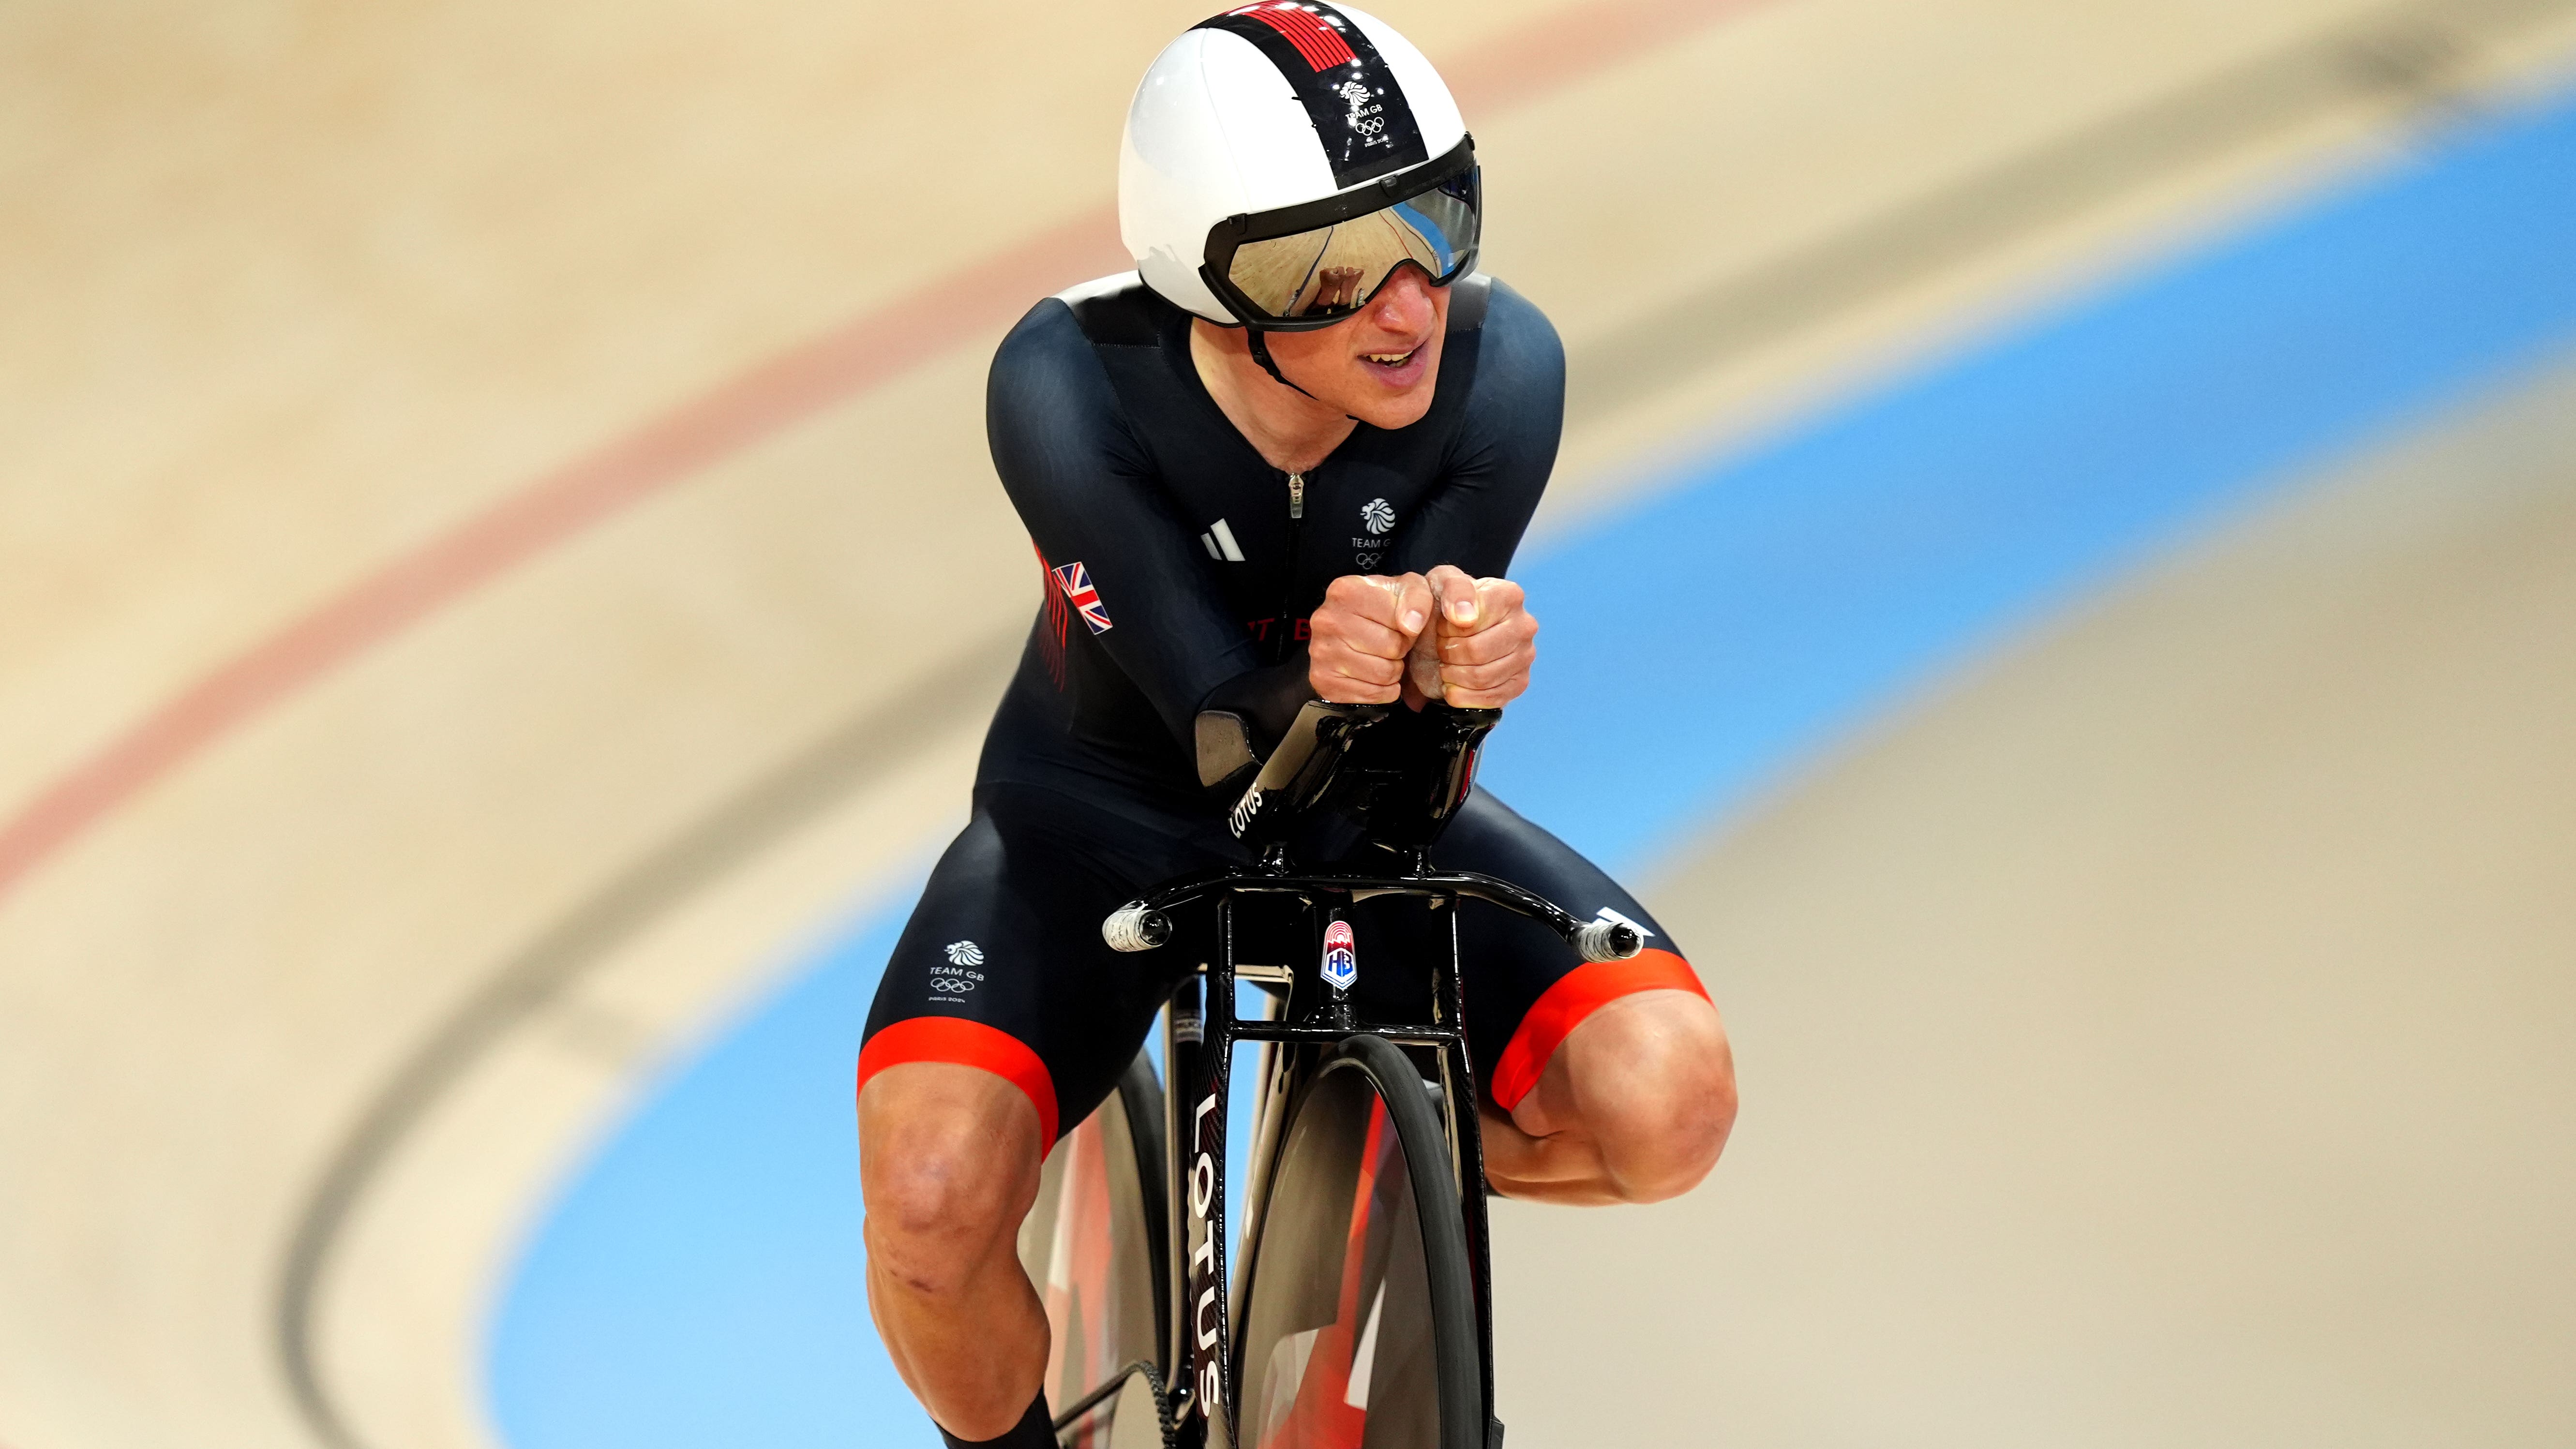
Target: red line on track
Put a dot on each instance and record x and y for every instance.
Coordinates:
(875, 348)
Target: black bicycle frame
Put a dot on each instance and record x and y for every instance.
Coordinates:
(1200, 1031)
(1405, 804)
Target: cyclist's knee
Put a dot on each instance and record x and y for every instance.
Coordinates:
(1662, 1149)
(948, 1160)
(1658, 1092)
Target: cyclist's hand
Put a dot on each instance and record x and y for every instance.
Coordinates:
(1486, 639)
(1361, 633)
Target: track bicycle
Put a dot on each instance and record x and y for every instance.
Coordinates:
(1361, 1314)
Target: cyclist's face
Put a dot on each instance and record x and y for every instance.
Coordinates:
(1381, 363)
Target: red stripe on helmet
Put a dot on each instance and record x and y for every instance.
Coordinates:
(1321, 45)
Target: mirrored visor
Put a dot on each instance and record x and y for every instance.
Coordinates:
(1331, 270)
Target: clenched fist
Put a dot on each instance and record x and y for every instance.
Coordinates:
(1377, 639)
(1361, 633)
(1478, 655)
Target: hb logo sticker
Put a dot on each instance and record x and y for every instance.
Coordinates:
(1341, 963)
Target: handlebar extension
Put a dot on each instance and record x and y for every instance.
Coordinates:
(1406, 797)
(1299, 772)
(1606, 941)
(1134, 927)
(1141, 926)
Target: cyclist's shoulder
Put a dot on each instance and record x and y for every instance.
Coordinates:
(1077, 345)
(1107, 312)
(1117, 310)
(1513, 365)
(1508, 324)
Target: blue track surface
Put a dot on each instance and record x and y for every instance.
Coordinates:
(699, 1281)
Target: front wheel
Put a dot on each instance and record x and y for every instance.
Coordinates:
(1359, 1317)
(1093, 1246)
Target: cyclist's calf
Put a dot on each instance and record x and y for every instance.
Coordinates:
(1634, 1106)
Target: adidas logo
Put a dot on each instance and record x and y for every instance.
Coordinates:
(1219, 542)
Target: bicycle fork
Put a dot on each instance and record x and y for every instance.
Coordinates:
(1200, 1032)
(1198, 1048)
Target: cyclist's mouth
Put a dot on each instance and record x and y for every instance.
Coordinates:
(1398, 368)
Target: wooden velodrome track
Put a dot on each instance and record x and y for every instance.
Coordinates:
(2154, 1039)
(468, 599)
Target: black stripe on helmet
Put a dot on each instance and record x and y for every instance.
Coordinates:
(1349, 91)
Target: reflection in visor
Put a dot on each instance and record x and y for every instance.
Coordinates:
(1333, 269)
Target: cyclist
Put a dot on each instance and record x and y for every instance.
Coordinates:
(1288, 457)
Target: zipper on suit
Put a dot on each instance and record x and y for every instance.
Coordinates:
(1288, 593)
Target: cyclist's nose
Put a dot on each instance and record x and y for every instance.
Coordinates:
(1403, 303)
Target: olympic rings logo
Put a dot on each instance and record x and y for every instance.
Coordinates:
(954, 986)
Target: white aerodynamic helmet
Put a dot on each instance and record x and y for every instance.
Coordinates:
(1283, 159)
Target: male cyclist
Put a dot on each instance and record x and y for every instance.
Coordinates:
(1288, 457)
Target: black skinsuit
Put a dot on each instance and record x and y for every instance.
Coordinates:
(1181, 568)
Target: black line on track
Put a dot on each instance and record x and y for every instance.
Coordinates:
(2404, 58)
(858, 753)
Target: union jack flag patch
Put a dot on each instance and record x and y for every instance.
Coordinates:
(1075, 580)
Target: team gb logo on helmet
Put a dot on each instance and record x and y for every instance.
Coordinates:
(1339, 75)
(1364, 114)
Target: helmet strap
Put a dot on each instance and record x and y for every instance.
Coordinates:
(1261, 354)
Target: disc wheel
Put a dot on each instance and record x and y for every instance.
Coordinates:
(1359, 1320)
(1093, 1245)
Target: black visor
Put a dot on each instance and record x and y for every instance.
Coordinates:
(1313, 264)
